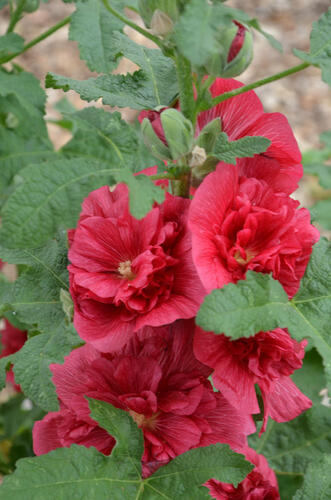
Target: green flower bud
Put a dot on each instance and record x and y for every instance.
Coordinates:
(31, 6)
(236, 52)
(178, 132)
(147, 10)
(167, 133)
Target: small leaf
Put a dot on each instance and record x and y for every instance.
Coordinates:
(246, 147)
(320, 46)
(10, 43)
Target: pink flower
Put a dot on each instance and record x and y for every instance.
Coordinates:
(240, 224)
(242, 116)
(260, 484)
(127, 273)
(267, 359)
(157, 379)
(12, 339)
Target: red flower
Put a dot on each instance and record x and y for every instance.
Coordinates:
(267, 359)
(260, 484)
(63, 428)
(157, 379)
(12, 339)
(127, 273)
(242, 116)
(239, 224)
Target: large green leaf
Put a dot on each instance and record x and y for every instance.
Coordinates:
(153, 85)
(32, 362)
(92, 26)
(246, 147)
(320, 46)
(259, 303)
(86, 474)
(50, 198)
(321, 213)
(34, 298)
(23, 134)
(317, 483)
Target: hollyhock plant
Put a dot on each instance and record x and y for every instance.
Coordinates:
(260, 484)
(127, 273)
(12, 340)
(157, 379)
(241, 224)
(243, 115)
(267, 359)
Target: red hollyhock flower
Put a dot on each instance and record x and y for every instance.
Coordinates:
(267, 359)
(240, 224)
(157, 379)
(260, 484)
(12, 339)
(127, 273)
(242, 116)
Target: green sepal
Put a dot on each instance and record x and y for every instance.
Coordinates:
(154, 144)
(147, 9)
(178, 132)
(208, 135)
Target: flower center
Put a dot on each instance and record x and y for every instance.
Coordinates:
(241, 260)
(144, 422)
(124, 268)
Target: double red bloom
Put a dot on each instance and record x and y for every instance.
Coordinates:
(157, 379)
(12, 340)
(127, 273)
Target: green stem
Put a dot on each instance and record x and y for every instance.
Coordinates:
(15, 16)
(39, 38)
(157, 177)
(132, 25)
(185, 84)
(254, 85)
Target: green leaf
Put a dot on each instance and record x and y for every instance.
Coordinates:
(320, 46)
(247, 147)
(10, 43)
(5, 364)
(313, 161)
(153, 85)
(32, 362)
(320, 213)
(86, 474)
(101, 135)
(259, 303)
(143, 192)
(311, 378)
(317, 483)
(254, 23)
(50, 197)
(34, 298)
(92, 26)
(23, 133)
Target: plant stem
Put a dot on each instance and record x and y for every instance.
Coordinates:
(162, 176)
(15, 15)
(132, 25)
(39, 38)
(254, 85)
(185, 84)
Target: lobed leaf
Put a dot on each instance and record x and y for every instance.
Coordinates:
(246, 147)
(317, 483)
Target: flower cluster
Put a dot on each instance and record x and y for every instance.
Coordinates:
(137, 287)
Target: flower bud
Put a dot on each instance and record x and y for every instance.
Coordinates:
(167, 133)
(148, 9)
(30, 6)
(208, 135)
(236, 52)
(161, 23)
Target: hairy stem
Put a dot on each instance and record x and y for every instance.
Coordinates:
(36, 40)
(132, 25)
(15, 15)
(254, 85)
